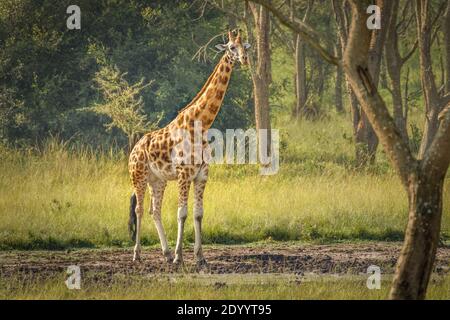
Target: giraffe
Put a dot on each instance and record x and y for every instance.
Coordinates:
(150, 162)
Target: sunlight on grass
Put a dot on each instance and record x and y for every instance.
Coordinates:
(66, 196)
(230, 287)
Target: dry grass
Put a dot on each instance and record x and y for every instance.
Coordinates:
(64, 196)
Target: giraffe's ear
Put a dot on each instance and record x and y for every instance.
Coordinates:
(221, 47)
(247, 45)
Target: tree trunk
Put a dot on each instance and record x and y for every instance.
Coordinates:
(366, 141)
(430, 127)
(354, 106)
(261, 77)
(301, 93)
(132, 140)
(397, 100)
(434, 103)
(339, 80)
(416, 260)
(394, 64)
(447, 47)
(321, 70)
(366, 138)
(300, 76)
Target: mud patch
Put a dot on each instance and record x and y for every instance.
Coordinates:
(295, 259)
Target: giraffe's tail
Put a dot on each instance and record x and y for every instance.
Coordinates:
(132, 220)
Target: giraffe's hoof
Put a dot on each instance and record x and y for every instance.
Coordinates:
(202, 265)
(178, 263)
(178, 260)
(169, 257)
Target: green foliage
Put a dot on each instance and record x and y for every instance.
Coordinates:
(122, 103)
(47, 72)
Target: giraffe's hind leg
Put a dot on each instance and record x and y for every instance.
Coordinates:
(158, 188)
(139, 176)
(139, 191)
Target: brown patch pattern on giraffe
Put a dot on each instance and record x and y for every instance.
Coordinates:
(151, 162)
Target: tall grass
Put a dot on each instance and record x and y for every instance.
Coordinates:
(69, 196)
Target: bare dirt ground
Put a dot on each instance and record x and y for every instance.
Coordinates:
(273, 258)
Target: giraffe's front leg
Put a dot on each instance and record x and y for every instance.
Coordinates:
(183, 186)
(199, 188)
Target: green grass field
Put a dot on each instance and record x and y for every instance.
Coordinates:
(229, 287)
(63, 196)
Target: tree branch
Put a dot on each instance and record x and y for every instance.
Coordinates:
(339, 16)
(281, 36)
(437, 159)
(230, 13)
(445, 99)
(401, 24)
(307, 33)
(410, 53)
(201, 53)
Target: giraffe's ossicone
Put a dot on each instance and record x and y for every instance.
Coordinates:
(152, 163)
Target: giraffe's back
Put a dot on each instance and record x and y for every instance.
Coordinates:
(152, 155)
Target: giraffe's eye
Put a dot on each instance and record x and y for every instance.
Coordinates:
(232, 48)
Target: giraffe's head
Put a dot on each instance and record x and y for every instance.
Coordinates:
(235, 48)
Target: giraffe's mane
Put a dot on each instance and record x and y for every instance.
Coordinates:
(199, 94)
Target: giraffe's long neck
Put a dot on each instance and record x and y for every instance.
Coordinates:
(208, 101)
